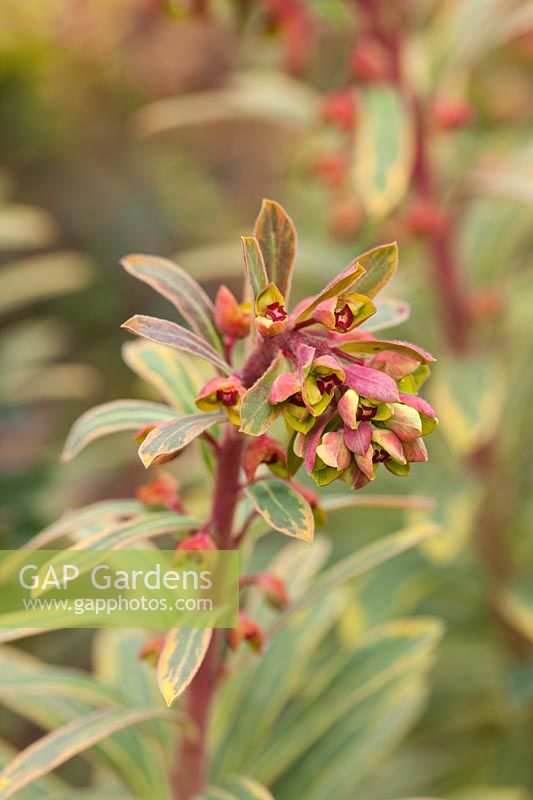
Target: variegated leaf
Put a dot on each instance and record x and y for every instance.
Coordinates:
(283, 508)
(275, 232)
(347, 278)
(171, 437)
(162, 331)
(257, 415)
(181, 657)
(181, 289)
(379, 264)
(172, 373)
(118, 415)
(255, 267)
(55, 748)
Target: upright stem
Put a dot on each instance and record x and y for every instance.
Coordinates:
(193, 760)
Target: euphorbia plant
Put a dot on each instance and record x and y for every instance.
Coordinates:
(294, 388)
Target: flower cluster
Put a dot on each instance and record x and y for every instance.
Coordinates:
(349, 399)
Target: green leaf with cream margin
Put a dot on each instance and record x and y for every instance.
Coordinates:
(383, 151)
(257, 415)
(342, 283)
(118, 415)
(162, 331)
(55, 748)
(181, 657)
(238, 787)
(172, 373)
(276, 236)
(254, 265)
(283, 508)
(181, 289)
(169, 438)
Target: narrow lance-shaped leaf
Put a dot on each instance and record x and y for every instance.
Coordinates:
(375, 346)
(172, 373)
(162, 331)
(409, 502)
(119, 415)
(383, 152)
(181, 289)
(257, 415)
(379, 264)
(275, 232)
(357, 564)
(181, 658)
(283, 508)
(239, 787)
(171, 437)
(54, 749)
(254, 264)
(338, 285)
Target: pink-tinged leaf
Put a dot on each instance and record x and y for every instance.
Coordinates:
(311, 442)
(168, 333)
(371, 383)
(254, 264)
(365, 462)
(379, 265)
(257, 411)
(405, 422)
(283, 387)
(119, 415)
(356, 478)
(276, 235)
(373, 346)
(389, 442)
(181, 289)
(338, 285)
(171, 437)
(421, 405)
(358, 441)
(347, 408)
(304, 357)
(395, 363)
(415, 451)
(333, 451)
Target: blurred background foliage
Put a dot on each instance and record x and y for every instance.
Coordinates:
(157, 127)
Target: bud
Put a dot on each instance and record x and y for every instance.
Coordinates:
(274, 589)
(224, 393)
(151, 650)
(198, 541)
(264, 450)
(424, 218)
(339, 109)
(369, 61)
(332, 168)
(231, 318)
(248, 631)
(161, 493)
(448, 114)
(272, 317)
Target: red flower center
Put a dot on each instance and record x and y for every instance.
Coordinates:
(297, 400)
(328, 383)
(276, 312)
(380, 456)
(228, 397)
(366, 413)
(344, 318)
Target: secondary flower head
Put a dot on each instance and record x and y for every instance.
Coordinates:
(247, 631)
(224, 393)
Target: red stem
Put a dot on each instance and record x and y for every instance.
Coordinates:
(193, 763)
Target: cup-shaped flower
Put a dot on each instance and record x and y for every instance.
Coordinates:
(271, 315)
(286, 392)
(354, 409)
(224, 393)
(345, 312)
(319, 378)
(231, 317)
